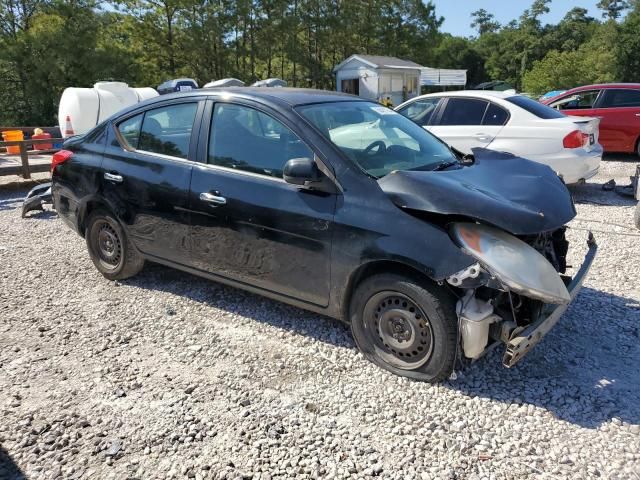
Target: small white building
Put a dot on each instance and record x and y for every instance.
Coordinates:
(377, 78)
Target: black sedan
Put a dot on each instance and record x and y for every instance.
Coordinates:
(334, 204)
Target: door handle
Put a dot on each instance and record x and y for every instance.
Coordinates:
(211, 198)
(482, 136)
(637, 114)
(113, 177)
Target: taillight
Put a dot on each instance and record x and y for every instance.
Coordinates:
(575, 139)
(59, 157)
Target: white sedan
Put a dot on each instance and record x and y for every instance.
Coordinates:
(511, 123)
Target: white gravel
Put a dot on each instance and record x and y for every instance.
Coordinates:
(171, 376)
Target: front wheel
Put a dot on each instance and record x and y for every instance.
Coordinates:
(109, 248)
(406, 327)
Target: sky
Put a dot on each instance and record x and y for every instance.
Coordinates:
(457, 13)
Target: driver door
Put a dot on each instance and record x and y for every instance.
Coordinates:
(248, 225)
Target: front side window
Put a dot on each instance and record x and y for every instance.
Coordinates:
(376, 138)
(577, 101)
(246, 139)
(464, 111)
(621, 98)
(421, 110)
(167, 130)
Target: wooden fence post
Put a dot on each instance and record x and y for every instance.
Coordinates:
(24, 156)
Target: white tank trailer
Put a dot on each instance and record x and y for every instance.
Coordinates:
(81, 109)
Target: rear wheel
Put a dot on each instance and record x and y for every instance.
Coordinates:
(406, 327)
(109, 248)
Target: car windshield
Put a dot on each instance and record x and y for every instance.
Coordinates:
(378, 139)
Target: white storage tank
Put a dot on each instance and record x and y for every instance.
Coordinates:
(81, 109)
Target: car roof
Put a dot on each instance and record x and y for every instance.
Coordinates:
(472, 93)
(635, 86)
(281, 95)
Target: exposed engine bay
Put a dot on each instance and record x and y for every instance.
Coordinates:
(500, 299)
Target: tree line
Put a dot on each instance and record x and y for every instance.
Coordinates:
(47, 45)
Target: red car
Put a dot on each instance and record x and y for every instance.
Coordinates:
(616, 104)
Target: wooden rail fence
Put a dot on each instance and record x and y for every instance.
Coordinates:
(24, 168)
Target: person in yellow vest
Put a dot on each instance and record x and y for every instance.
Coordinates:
(386, 101)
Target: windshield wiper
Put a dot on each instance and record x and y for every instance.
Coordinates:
(444, 165)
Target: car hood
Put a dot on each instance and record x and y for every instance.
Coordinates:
(517, 195)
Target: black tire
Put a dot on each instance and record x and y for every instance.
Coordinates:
(407, 327)
(109, 248)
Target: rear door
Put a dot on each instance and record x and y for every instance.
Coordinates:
(620, 124)
(467, 123)
(248, 225)
(146, 174)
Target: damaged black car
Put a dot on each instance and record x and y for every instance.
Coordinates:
(334, 204)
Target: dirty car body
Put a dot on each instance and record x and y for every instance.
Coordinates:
(283, 192)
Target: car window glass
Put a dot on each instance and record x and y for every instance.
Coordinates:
(576, 101)
(495, 115)
(167, 130)
(245, 139)
(464, 111)
(130, 130)
(534, 107)
(376, 138)
(420, 111)
(622, 98)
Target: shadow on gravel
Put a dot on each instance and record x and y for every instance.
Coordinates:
(593, 194)
(10, 203)
(256, 307)
(586, 371)
(41, 215)
(8, 468)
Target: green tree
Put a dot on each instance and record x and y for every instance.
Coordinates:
(628, 46)
(484, 22)
(612, 9)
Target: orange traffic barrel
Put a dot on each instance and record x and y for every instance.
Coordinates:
(12, 136)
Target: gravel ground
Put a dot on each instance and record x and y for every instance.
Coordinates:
(171, 376)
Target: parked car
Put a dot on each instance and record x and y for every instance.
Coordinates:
(510, 123)
(617, 105)
(424, 255)
(177, 85)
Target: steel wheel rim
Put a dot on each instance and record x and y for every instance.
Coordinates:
(108, 245)
(398, 329)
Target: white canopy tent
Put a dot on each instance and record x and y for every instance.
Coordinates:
(443, 77)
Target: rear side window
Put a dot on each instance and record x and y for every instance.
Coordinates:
(621, 98)
(464, 111)
(495, 115)
(246, 139)
(130, 130)
(534, 107)
(420, 111)
(167, 130)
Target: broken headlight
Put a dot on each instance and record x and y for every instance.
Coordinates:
(519, 267)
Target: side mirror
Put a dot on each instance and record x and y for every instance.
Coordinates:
(301, 171)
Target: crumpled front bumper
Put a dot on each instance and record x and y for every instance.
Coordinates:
(36, 197)
(520, 344)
